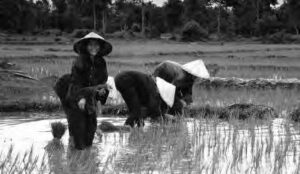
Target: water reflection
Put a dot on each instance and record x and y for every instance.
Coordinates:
(189, 146)
(55, 153)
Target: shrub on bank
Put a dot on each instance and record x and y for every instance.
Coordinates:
(52, 32)
(281, 37)
(79, 33)
(192, 31)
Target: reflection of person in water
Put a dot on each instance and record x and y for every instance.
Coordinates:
(73, 161)
(80, 90)
(58, 129)
(55, 148)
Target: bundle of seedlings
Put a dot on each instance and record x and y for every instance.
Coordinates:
(58, 129)
(106, 126)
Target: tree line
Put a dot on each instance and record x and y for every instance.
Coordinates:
(245, 18)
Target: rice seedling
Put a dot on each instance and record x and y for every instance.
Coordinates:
(58, 129)
(202, 144)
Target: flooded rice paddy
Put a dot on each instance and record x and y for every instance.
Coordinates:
(187, 146)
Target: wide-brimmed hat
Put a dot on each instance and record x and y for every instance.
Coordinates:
(166, 91)
(196, 68)
(81, 44)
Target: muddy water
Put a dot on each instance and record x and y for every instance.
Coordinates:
(193, 145)
(24, 131)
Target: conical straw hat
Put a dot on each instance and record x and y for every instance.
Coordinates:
(114, 95)
(105, 49)
(113, 92)
(166, 91)
(196, 68)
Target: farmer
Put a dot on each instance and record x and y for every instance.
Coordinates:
(80, 90)
(145, 96)
(182, 76)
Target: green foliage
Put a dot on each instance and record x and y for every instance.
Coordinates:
(268, 25)
(280, 37)
(196, 10)
(192, 31)
(17, 15)
(251, 14)
(127, 14)
(79, 33)
(294, 13)
(173, 12)
(246, 18)
(135, 27)
(42, 10)
(156, 21)
(60, 6)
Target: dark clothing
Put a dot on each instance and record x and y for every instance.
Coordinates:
(138, 90)
(174, 74)
(82, 124)
(141, 96)
(86, 73)
(82, 83)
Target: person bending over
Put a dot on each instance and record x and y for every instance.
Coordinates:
(145, 96)
(182, 76)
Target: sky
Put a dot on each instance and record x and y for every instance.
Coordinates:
(159, 2)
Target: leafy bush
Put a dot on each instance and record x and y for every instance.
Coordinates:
(135, 27)
(121, 34)
(52, 32)
(79, 33)
(279, 37)
(192, 31)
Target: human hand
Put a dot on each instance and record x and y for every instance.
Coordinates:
(81, 103)
(109, 87)
(99, 132)
(169, 117)
(101, 91)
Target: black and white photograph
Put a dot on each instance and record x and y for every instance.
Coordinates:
(149, 86)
